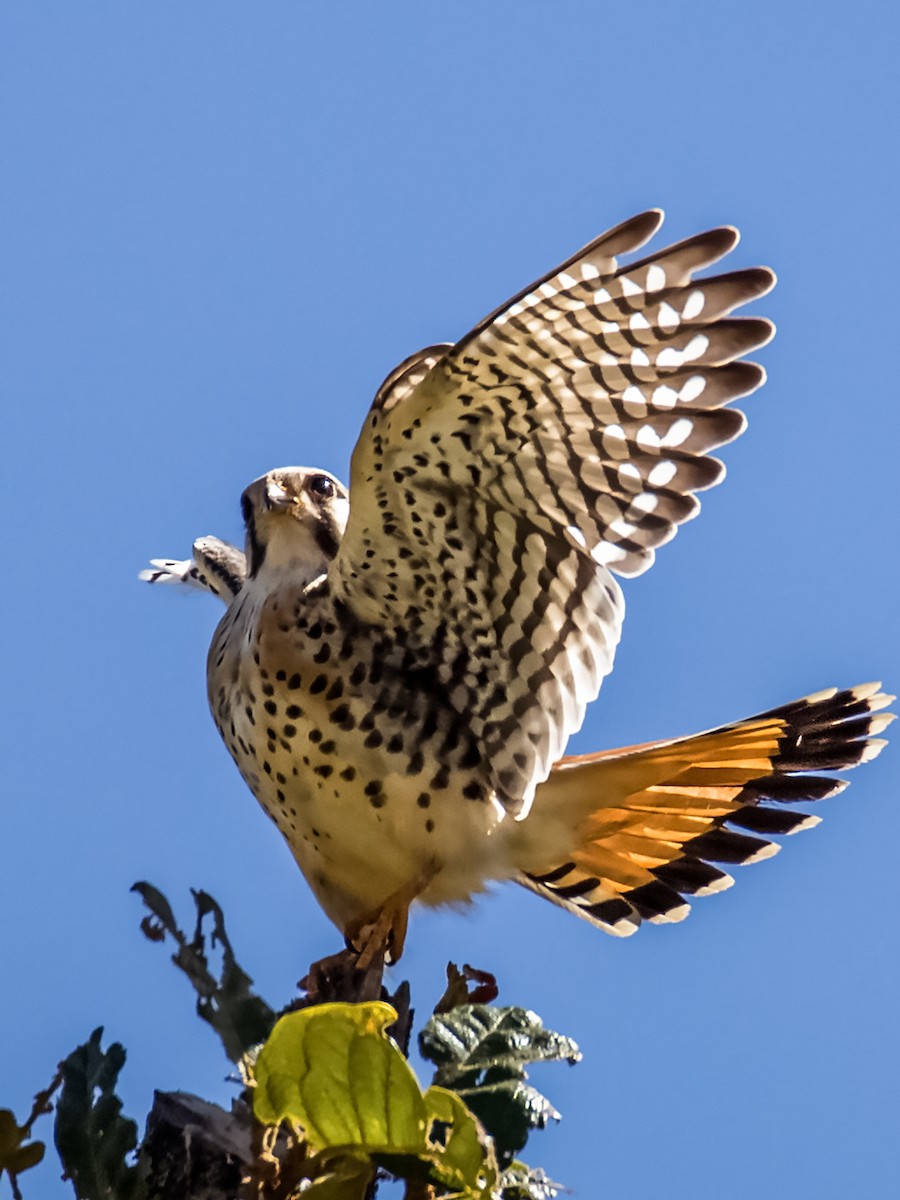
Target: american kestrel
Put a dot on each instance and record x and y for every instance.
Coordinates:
(399, 668)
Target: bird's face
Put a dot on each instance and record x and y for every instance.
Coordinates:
(294, 517)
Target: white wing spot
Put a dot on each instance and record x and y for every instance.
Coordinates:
(622, 528)
(646, 502)
(630, 477)
(692, 388)
(696, 347)
(648, 438)
(664, 396)
(634, 401)
(656, 278)
(663, 473)
(668, 317)
(679, 433)
(606, 553)
(693, 306)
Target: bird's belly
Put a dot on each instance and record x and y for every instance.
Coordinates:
(355, 855)
(367, 806)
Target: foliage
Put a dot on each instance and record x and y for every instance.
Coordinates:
(481, 1053)
(94, 1140)
(17, 1153)
(343, 1085)
(327, 1106)
(228, 1004)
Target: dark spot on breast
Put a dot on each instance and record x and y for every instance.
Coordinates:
(473, 791)
(268, 689)
(348, 773)
(294, 682)
(271, 707)
(441, 779)
(429, 826)
(319, 684)
(293, 711)
(373, 740)
(423, 800)
(290, 731)
(324, 770)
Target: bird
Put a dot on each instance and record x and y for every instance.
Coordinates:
(400, 666)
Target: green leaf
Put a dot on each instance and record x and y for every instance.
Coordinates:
(17, 1154)
(481, 1053)
(240, 1017)
(349, 1180)
(509, 1110)
(478, 1036)
(335, 1075)
(521, 1182)
(332, 1071)
(465, 1162)
(91, 1135)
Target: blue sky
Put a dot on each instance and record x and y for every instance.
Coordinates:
(223, 223)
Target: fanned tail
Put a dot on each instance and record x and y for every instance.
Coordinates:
(652, 820)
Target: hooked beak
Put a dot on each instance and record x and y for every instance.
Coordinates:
(276, 497)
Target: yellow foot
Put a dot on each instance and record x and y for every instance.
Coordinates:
(383, 934)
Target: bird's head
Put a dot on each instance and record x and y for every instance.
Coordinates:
(294, 517)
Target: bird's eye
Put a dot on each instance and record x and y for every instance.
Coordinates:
(321, 486)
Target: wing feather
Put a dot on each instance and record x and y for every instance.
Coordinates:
(500, 484)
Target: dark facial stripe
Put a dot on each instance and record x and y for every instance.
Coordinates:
(256, 550)
(327, 534)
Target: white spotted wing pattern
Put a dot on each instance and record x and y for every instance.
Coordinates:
(500, 484)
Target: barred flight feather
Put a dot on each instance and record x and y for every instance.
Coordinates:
(502, 483)
(654, 819)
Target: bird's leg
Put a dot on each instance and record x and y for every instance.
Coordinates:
(383, 933)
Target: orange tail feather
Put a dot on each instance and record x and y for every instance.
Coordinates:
(649, 821)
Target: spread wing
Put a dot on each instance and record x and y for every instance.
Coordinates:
(500, 484)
